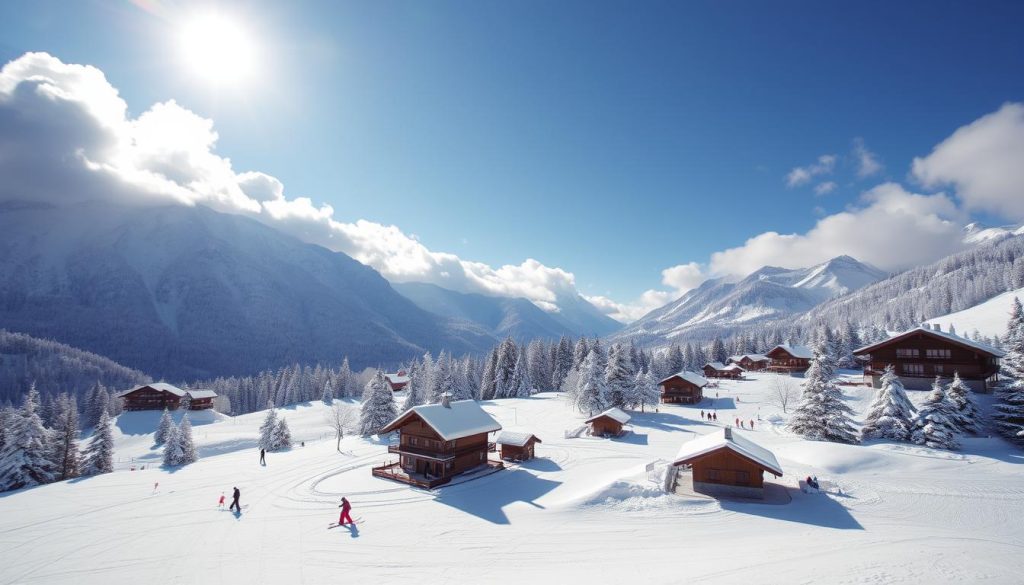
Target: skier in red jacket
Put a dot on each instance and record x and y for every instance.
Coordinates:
(345, 508)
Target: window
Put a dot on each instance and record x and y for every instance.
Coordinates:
(906, 352)
(412, 441)
(939, 369)
(482, 455)
(938, 354)
(714, 475)
(743, 477)
(913, 369)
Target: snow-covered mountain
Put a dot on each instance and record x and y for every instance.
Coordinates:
(186, 292)
(975, 233)
(767, 294)
(501, 316)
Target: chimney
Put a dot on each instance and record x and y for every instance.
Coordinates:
(728, 433)
(446, 400)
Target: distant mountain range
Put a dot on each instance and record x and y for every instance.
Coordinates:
(186, 292)
(515, 317)
(719, 306)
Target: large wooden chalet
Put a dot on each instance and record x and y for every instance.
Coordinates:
(437, 442)
(726, 463)
(720, 370)
(161, 395)
(921, 354)
(683, 388)
(789, 358)
(751, 362)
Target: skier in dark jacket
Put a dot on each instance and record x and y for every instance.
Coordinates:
(263, 456)
(346, 507)
(234, 501)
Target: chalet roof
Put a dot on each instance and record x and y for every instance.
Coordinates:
(462, 418)
(691, 377)
(397, 378)
(159, 387)
(517, 439)
(734, 367)
(613, 413)
(727, 438)
(202, 394)
(754, 357)
(950, 337)
(797, 351)
(715, 365)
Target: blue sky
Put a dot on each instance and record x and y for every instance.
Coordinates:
(610, 139)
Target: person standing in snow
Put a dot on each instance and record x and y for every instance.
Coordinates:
(751, 424)
(234, 501)
(263, 456)
(220, 502)
(702, 415)
(346, 507)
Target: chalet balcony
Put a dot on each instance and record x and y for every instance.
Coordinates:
(395, 472)
(437, 455)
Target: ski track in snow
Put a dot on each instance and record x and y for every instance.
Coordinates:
(584, 510)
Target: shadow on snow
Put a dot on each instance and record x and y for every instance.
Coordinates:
(487, 502)
(816, 510)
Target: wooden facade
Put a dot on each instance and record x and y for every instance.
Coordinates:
(678, 390)
(728, 464)
(718, 370)
(397, 381)
(609, 423)
(787, 360)
(920, 355)
(159, 396)
(751, 363)
(517, 450)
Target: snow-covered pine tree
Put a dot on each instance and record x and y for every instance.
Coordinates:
(282, 435)
(579, 353)
(189, 454)
(26, 457)
(619, 376)
(378, 406)
(164, 427)
(99, 455)
(591, 391)
(1008, 415)
(966, 415)
(185, 404)
(172, 448)
(718, 350)
(538, 359)
(327, 396)
(822, 413)
(343, 380)
(67, 457)
(519, 383)
(487, 380)
(508, 355)
(562, 362)
(413, 395)
(890, 415)
(675, 361)
(935, 424)
(266, 440)
(645, 390)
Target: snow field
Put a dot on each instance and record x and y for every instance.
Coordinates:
(586, 509)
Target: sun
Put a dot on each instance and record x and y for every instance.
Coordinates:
(218, 49)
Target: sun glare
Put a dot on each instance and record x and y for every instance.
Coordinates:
(218, 49)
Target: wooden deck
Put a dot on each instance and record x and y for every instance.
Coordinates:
(394, 472)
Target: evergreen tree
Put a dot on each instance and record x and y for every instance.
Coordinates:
(188, 446)
(282, 435)
(966, 415)
(718, 350)
(67, 458)
(413, 395)
(519, 384)
(591, 392)
(890, 414)
(645, 390)
(99, 456)
(1008, 415)
(676, 361)
(378, 406)
(822, 413)
(487, 380)
(508, 355)
(173, 453)
(619, 377)
(328, 394)
(267, 430)
(935, 425)
(562, 362)
(579, 353)
(343, 381)
(26, 458)
(538, 359)
(162, 429)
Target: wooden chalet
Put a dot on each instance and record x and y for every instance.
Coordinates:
(727, 464)
(160, 395)
(516, 446)
(397, 381)
(437, 442)
(720, 370)
(921, 354)
(683, 388)
(751, 362)
(609, 423)
(789, 358)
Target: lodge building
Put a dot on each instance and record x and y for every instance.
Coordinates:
(921, 354)
(751, 362)
(789, 359)
(683, 388)
(720, 370)
(161, 395)
(727, 464)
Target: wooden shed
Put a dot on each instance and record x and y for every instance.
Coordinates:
(516, 446)
(921, 354)
(437, 442)
(790, 358)
(683, 388)
(726, 463)
(608, 423)
(397, 381)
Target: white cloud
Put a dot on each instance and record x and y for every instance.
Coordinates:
(65, 135)
(801, 175)
(825, 188)
(984, 161)
(867, 161)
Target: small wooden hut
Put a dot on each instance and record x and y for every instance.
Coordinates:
(516, 446)
(726, 463)
(683, 388)
(608, 423)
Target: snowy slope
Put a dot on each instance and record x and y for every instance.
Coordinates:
(975, 233)
(186, 292)
(769, 293)
(988, 318)
(586, 510)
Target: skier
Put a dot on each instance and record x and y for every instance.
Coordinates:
(702, 415)
(234, 501)
(715, 414)
(751, 424)
(345, 508)
(220, 502)
(263, 456)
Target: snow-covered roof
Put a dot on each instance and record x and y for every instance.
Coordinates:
(462, 418)
(613, 413)
(397, 378)
(734, 367)
(754, 357)
(159, 387)
(202, 394)
(951, 337)
(691, 377)
(728, 439)
(797, 351)
(516, 439)
(715, 365)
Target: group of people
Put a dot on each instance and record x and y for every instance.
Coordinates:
(710, 416)
(813, 482)
(234, 501)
